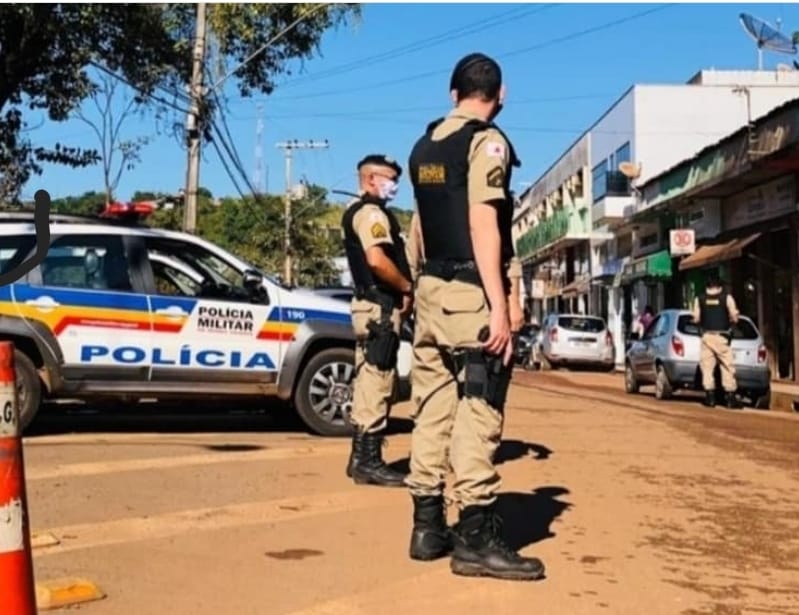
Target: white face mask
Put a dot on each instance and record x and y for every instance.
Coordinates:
(388, 189)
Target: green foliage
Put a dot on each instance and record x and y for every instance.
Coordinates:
(251, 229)
(46, 49)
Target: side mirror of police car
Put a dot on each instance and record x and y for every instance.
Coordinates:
(252, 280)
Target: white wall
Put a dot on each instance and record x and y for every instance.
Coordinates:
(613, 130)
(675, 122)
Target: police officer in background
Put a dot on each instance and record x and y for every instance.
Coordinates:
(383, 289)
(716, 312)
(460, 170)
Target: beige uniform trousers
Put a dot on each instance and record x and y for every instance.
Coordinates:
(715, 348)
(373, 388)
(450, 432)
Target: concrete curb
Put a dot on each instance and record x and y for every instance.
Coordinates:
(784, 402)
(59, 593)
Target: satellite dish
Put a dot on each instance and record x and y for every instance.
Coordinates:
(767, 37)
(630, 170)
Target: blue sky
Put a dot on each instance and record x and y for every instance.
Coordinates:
(563, 65)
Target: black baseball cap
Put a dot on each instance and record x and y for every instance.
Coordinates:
(381, 160)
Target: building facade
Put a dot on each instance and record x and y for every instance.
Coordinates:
(598, 253)
(741, 197)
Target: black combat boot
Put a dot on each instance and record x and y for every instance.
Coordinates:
(369, 467)
(479, 550)
(431, 537)
(710, 399)
(733, 403)
(356, 452)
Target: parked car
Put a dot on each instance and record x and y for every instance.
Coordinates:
(120, 311)
(576, 339)
(668, 356)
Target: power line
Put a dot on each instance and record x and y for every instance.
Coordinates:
(270, 42)
(443, 71)
(444, 37)
(388, 111)
(138, 89)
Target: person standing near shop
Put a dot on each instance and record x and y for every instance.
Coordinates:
(715, 311)
(383, 297)
(461, 172)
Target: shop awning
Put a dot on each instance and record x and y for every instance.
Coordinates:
(657, 265)
(717, 253)
(578, 287)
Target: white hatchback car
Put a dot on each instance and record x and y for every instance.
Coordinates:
(576, 339)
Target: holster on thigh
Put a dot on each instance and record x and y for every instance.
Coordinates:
(382, 345)
(485, 377)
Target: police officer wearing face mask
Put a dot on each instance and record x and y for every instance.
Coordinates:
(382, 279)
(461, 172)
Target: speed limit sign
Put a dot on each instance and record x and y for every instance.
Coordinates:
(682, 241)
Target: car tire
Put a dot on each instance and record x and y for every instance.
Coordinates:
(315, 395)
(761, 400)
(631, 385)
(29, 389)
(663, 388)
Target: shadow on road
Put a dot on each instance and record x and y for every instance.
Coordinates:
(511, 450)
(527, 516)
(164, 418)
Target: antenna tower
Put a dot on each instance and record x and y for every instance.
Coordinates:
(258, 177)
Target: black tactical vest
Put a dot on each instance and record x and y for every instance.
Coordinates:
(439, 174)
(714, 315)
(362, 276)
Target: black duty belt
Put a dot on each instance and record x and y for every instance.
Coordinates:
(448, 270)
(375, 295)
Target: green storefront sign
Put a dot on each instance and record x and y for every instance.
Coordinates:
(562, 223)
(657, 265)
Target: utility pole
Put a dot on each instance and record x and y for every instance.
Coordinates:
(193, 133)
(288, 147)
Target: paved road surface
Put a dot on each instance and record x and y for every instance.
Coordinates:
(635, 506)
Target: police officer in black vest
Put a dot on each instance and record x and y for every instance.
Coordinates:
(461, 174)
(716, 312)
(382, 279)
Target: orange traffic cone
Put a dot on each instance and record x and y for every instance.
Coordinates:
(17, 595)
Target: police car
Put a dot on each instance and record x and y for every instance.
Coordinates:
(122, 311)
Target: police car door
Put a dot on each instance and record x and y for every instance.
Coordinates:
(89, 298)
(206, 327)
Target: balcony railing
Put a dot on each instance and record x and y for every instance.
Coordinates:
(561, 224)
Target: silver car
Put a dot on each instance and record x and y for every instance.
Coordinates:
(668, 356)
(575, 339)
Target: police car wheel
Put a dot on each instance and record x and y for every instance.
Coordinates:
(323, 397)
(29, 389)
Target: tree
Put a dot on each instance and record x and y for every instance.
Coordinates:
(47, 48)
(116, 154)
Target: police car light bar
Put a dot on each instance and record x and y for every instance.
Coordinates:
(137, 209)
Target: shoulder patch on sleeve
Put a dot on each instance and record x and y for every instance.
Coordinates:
(378, 231)
(495, 149)
(495, 178)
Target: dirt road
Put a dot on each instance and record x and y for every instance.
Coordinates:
(635, 507)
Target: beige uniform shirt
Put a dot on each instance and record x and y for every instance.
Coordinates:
(414, 247)
(489, 158)
(371, 225)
